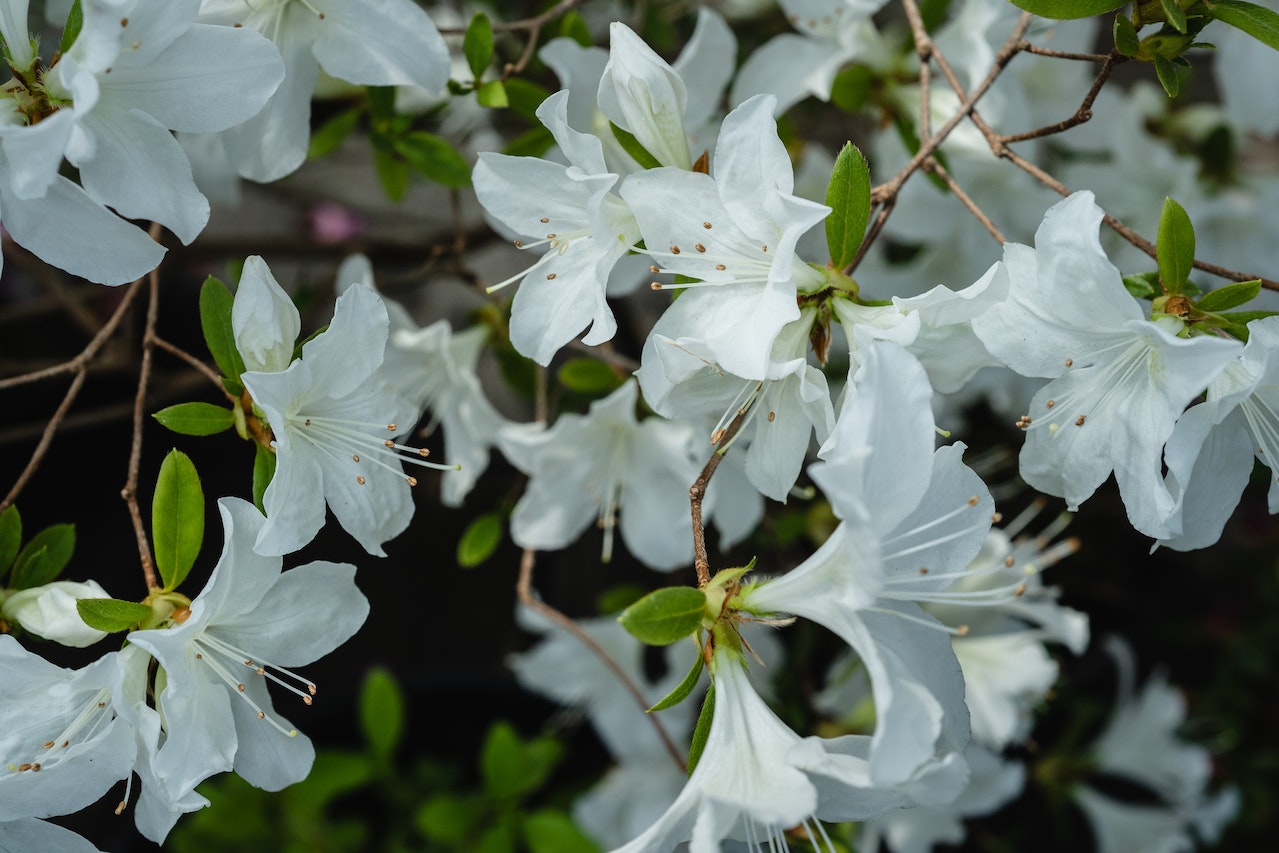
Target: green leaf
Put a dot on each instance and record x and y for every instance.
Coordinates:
(512, 768)
(531, 143)
(1175, 247)
(1126, 40)
(848, 197)
(196, 418)
(111, 614)
(1229, 296)
(381, 712)
(215, 320)
(477, 46)
(449, 819)
(852, 87)
(263, 471)
(333, 132)
(1167, 74)
(382, 102)
(497, 839)
(703, 729)
(177, 518)
(685, 688)
(75, 22)
(1174, 14)
(588, 376)
(479, 540)
(525, 96)
(43, 558)
(1257, 21)
(1246, 317)
(666, 615)
(492, 94)
(332, 774)
(1068, 10)
(10, 538)
(435, 158)
(392, 174)
(632, 146)
(573, 25)
(1144, 285)
(552, 831)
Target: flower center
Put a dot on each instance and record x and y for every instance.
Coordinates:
(226, 660)
(362, 446)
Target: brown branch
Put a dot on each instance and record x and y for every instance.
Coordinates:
(532, 26)
(37, 455)
(130, 491)
(697, 494)
(940, 171)
(1027, 47)
(1083, 114)
(212, 375)
(872, 233)
(527, 597)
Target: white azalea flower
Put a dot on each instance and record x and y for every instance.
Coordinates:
(49, 611)
(608, 468)
(30, 834)
(245, 627)
(586, 227)
(1119, 381)
(370, 43)
(333, 420)
(736, 234)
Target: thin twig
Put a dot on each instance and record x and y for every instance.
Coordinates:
(1083, 114)
(1027, 47)
(130, 491)
(212, 375)
(524, 589)
(872, 233)
(697, 494)
(940, 171)
(37, 455)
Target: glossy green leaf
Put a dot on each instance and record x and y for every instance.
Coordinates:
(574, 26)
(1175, 247)
(215, 320)
(632, 146)
(1246, 317)
(1068, 10)
(263, 471)
(1174, 14)
(435, 158)
(449, 819)
(1257, 21)
(525, 96)
(492, 95)
(75, 22)
(381, 712)
(10, 538)
(852, 88)
(477, 45)
(666, 615)
(848, 197)
(392, 174)
(111, 614)
(479, 540)
(1167, 74)
(511, 767)
(196, 418)
(177, 518)
(333, 132)
(44, 557)
(552, 831)
(588, 376)
(1229, 296)
(533, 142)
(685, 688)
(1143, 285)
(1126, 40)
(703, 729)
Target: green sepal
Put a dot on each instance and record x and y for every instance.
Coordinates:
(196, 418)
(333, 133)
(263, 471)
(435, 158)
(632, 146)
(1068, 10)
(177, 518)
(1143, 285)
(703, 729)
(381, 712)
(588, 376)
(479, 540)
(477, 44)
(848, 197)
(1257, 21)
(1229, 296)
(1167, 74)
(1174, 15)
(43, 558)
(553, 831)
(75, 22)
(492, 95)
(665, 616)
(1175, 247)
(10, 538)
(219, 335)
(685, 688)
(111, 614)
(1126, 40)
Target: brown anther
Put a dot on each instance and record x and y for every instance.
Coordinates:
(550, 276)
(120, 806)
(923, 570)
(102, 704)
(49, 744)
(674, 249)
(235, 26)
(519, 244)
(551, 236)
(240, 687)
(310, 688)
(391, 427)
(124, 22)
(261, 715)
(260, 671)
(355, 457)
(717, 435)
(65, 744)
(360, 480)
(1079, 421)
(545, 219)
(772, 416)
(996, 517)
(653, 285)
(306, 700)
(412, 481)
(962, 630)
(654, 269)
(1008, 561)
(706, 225)
(1051, 403)
(763, 248)
(35, 768)
(198, 656)
(1069, 362)
(720, 267)
(388, 443)
(699, 247)
(974, 500)
(423, 452)
(1020, 590)
(22, 768)
(307, 422)
(321, 16)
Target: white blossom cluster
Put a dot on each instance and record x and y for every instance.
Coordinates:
(944, 620)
